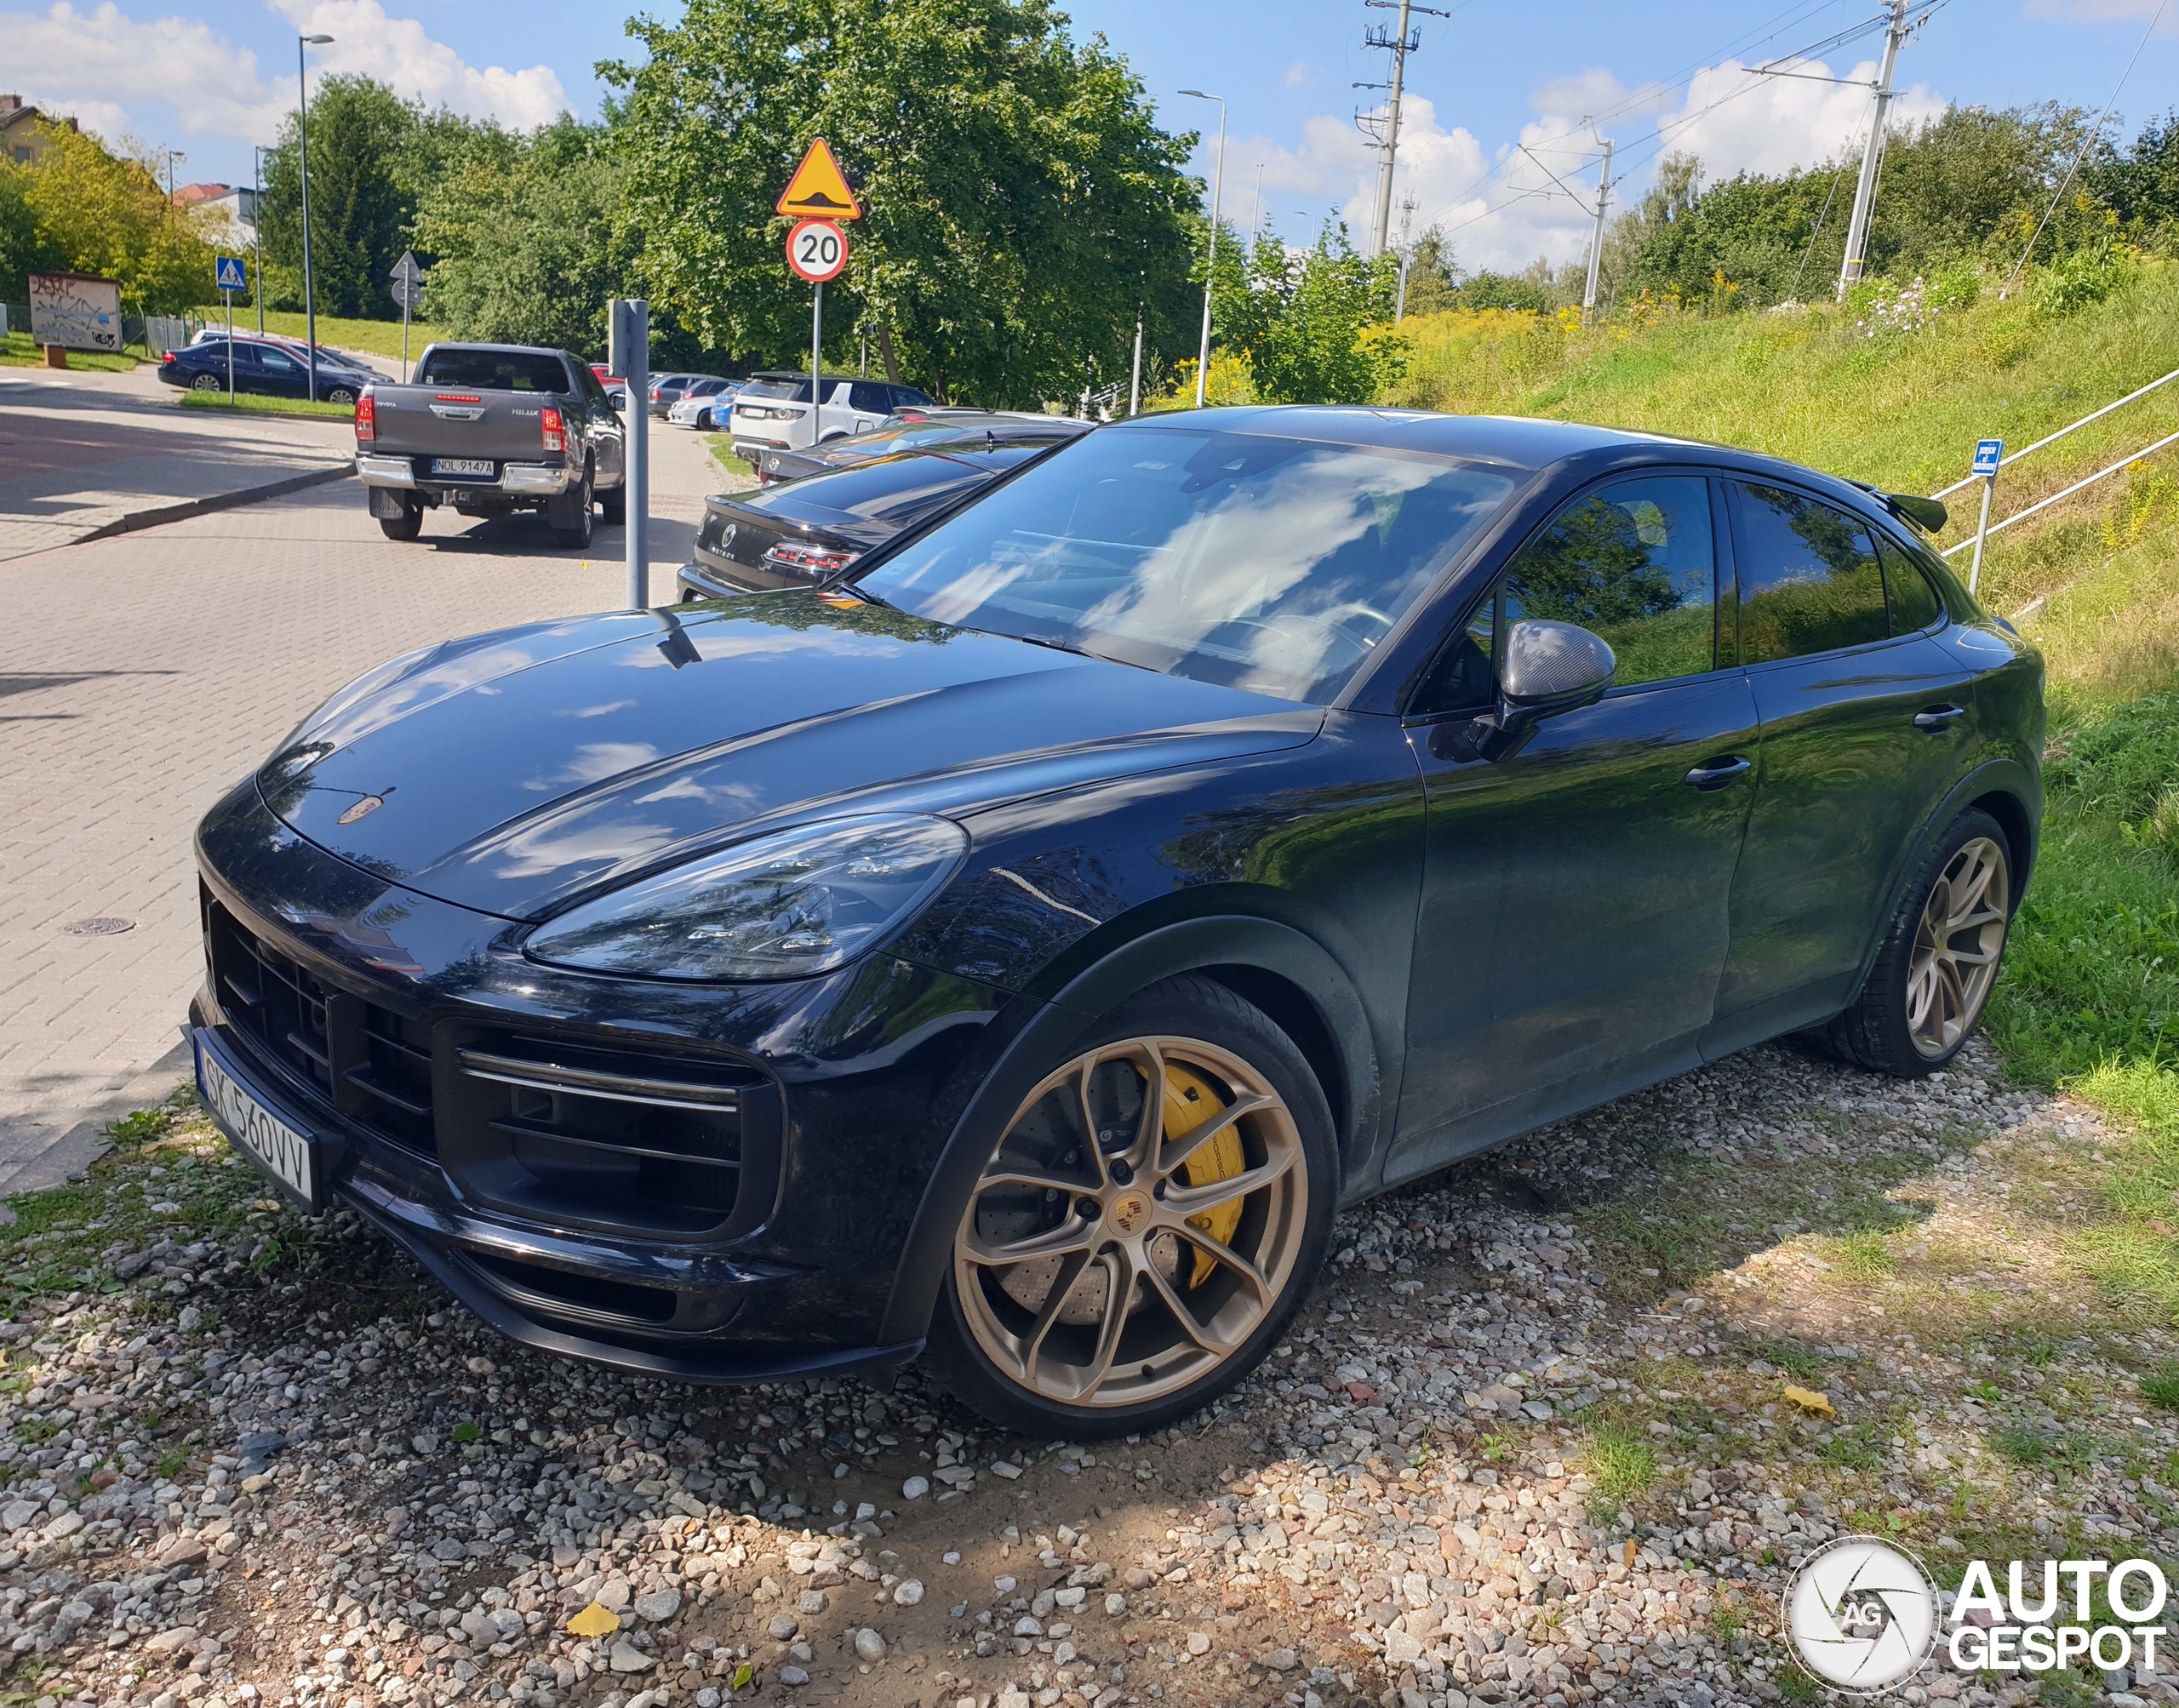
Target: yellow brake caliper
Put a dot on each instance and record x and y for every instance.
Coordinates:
(1188, 1104)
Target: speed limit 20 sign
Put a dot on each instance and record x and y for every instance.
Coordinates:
(817, 249)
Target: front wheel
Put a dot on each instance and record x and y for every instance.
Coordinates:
(207, 382)
(1933, 975)
(1145, 1225)
(340, 394)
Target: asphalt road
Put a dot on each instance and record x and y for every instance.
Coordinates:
(140, 675)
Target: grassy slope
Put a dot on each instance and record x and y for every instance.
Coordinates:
(378, 337)
(2090, 995)
(16, 351)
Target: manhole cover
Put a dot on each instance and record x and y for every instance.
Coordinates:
(102, 927)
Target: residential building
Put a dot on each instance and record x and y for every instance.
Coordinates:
(20, 140)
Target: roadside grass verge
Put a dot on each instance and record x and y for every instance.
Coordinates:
(722, 454)
(247, 403)
(378, 337)
(17, 351)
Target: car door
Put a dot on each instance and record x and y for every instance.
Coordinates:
(1863, 730)
(1573, 919)
(279, 373)
(603, 428)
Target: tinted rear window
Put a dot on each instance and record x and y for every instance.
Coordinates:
(889, 489)
(793, 391)
(492, 370)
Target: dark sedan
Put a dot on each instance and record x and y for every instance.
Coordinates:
(807, 534)
(934, 428)
(263, 370)
(1012, 959)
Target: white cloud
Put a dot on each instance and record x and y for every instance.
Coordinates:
(1503, 209)
(1296, 75)
(101, 64)
(398, 51)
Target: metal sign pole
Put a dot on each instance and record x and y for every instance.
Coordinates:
(230, 296)
(1981, 531)
(817, 366)
(630, 325)
(405, 338)
(1134, 384)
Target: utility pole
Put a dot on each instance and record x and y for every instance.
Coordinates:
(1406, 257)
(1134, 384)
(303, 43)
(1596, 242)
(1210, 265)
(257, 226)
(1858, 231)
(1399, 46)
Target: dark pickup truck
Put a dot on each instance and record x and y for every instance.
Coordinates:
(489, 428)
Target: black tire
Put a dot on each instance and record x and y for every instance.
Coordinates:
(1191, 1009)
(577, 535)
(613, 504)
(406, 526)
(1878, 1030)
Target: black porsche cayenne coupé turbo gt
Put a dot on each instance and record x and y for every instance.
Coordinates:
(1014, 959)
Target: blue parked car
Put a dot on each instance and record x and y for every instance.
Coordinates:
(264, 368)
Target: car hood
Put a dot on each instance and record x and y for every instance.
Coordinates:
(513, 772)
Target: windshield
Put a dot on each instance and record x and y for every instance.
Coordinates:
(492, 370)
(1271, 564)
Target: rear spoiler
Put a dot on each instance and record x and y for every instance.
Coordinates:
(1927, 514)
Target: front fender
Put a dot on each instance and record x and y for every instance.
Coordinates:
(1228, 947)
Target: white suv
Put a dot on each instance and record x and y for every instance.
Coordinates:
(772, 413)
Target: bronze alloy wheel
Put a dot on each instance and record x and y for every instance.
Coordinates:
(1120, 1246)
(1956, 945)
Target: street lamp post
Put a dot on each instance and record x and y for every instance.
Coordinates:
(302, 138)
(257, 225)
(1210, 264)
(173, 155)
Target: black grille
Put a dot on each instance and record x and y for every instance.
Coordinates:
(626, 1138)
(370, 1063)
(544, 1291)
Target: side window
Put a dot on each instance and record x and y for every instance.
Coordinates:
(871, 398)
(1809, 581)
(1913, 601)
(906, 397)
(1635, 564)
(276, 361)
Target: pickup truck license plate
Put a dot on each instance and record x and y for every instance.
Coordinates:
(288, 1156)
(478, 467)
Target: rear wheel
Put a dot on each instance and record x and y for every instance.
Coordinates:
(407, 525)
(1145, 1225)
(1933, 975)
(207, 382)
(576, 532)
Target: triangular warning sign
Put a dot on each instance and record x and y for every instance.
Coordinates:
(819, 189)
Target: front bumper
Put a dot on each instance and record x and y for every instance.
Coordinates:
(502, 1123)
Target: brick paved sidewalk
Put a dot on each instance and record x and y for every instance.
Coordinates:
(85, 454)
(139, 676)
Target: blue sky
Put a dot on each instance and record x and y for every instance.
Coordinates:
(1493, 77)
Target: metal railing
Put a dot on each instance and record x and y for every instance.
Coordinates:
(1981, 534)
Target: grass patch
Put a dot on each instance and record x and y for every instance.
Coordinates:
(247, 404)
(721, 450)
(378, 337)
(17, 351)
(2160, 1386)
(1863, 1255)
(1622, 1463)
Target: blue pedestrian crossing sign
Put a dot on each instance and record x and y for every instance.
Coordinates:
(228, 270)
(1988, 453)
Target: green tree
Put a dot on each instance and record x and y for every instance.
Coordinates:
(1433, 286)
(526, 230)
(1313, 308)
(86, 209)
(372, 157)
(1022, 205)
(1488, 290)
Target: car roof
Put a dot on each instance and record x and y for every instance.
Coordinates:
(1521, 441)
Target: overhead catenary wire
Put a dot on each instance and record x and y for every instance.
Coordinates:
(2087, 142)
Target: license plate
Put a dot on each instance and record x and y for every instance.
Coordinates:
(480, 468)
(288, 1156)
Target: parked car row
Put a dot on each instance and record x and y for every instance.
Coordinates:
(911, 429)
(267, 366)
(772, 411)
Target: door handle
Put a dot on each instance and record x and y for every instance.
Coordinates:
(1937, 717)
(1715, 774)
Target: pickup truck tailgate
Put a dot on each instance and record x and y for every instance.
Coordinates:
(493, 426)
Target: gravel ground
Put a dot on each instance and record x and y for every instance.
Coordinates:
(1529, 1441)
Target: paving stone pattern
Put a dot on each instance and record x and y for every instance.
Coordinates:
(139, 676)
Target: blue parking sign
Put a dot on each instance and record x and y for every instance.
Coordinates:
(1988, 453)
(227, 270)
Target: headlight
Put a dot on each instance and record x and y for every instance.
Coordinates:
(783, 906)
